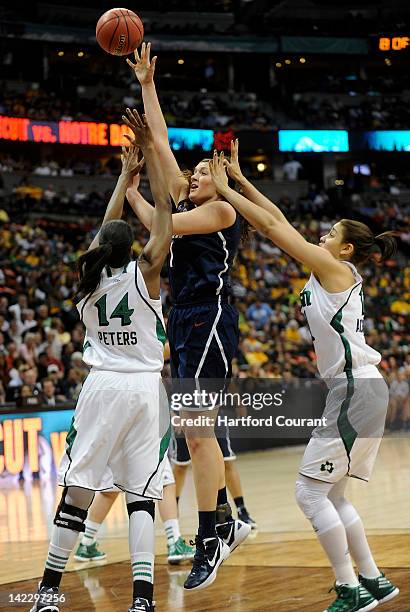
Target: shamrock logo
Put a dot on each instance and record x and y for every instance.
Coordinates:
(327, 467)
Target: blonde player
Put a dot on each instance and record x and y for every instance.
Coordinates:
(202, 326)
(356, 405)
(120, 430)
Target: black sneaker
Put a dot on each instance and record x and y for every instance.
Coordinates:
(210, 553)
(243, 515)
(233, 532)
(142, 605)
(47, 599)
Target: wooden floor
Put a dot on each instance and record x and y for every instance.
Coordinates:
(280, 568)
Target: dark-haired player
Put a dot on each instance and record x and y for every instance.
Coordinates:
(120, 430)
(347, 443)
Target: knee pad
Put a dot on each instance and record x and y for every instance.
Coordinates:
(310, 500)
(72, 511)
(138, 506)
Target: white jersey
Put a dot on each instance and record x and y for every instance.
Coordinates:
(336, 325)
(124, 327)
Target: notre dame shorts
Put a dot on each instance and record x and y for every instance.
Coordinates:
(347, 445)
(119, 435)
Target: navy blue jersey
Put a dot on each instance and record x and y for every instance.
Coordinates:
(199, 264)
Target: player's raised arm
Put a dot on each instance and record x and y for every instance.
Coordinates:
(131, 166)
(205, 219)
(247, 189)
(156, 250)
(144, 69)
(276, 227)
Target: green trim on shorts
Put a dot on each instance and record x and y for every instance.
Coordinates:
(347, 432)
(163, 447)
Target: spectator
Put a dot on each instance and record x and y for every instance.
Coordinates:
(78, 363)
(49, 392)
(292, 169)
(56, 376)
(399, 405)
(72, 384)
(28, 396)
(259, 313)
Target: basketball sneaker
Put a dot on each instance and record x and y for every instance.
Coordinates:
(89, 553)
(180, 551)
(243, 515)
(381, 588)
(142, 605)
(352, 599)
(232, 531)
(209, 554)
(47, 598)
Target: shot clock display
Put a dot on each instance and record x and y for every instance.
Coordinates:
(393, 43)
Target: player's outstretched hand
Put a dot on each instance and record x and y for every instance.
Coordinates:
(144, 67)
(131, 162)
(232, 166)
(139, 126)
(217, 167)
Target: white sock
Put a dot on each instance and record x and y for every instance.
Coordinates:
(312, 498)
(332, 536)
(141, 543)
(172, 531)
(57, 556)
(359, 547)
(90, 534)
(356, 536)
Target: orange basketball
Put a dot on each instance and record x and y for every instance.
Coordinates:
(119, 31)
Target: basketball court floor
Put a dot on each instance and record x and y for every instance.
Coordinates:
(280, 568)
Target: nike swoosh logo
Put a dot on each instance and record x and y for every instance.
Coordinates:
(212, 563)
(199, 324)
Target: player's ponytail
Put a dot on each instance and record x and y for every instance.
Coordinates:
(115, 240)
(365, 244)
(387, 245)
(90, 266)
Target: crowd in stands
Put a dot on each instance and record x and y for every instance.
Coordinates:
(41, 338)
(390, 112)
(51, 168)
(289, 104)
(203, 110)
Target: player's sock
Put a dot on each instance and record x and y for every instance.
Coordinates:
(312, 498)
(62, 543)
(239, 502)
(360, 550)
(63, 539)
(356, 536)
(142, 545)
(332, 536)
(172, 531)
(90, 534)
(207, 524)
(143, 575)
(222, 497)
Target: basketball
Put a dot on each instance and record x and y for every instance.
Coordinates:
(119, 31)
